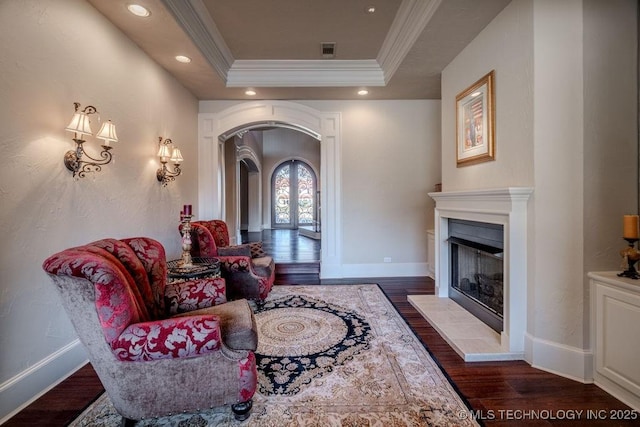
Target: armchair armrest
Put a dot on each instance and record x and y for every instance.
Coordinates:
(243, 280)
(238, 250)
(236, 264)
(168, 339)
(187, 295)
(252, 249)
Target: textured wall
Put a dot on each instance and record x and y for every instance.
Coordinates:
(52, 54)
(390, 161)
(506, 46)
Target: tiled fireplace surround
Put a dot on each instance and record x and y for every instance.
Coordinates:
(471, 338)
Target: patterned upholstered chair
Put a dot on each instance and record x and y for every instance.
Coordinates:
(249, 272)
(157, 348)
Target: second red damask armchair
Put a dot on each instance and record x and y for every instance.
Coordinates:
(248, 271)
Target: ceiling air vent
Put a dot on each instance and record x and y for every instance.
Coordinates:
(328, 50)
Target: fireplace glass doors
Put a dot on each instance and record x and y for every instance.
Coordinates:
(477, 269)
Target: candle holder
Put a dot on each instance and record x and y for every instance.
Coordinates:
(185, 260)
(630, 256)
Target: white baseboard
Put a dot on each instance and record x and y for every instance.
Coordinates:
(330, 271)
(622, 394)
(21, 390)
(569, 362)
(417, 269)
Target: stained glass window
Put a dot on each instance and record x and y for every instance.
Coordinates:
(294, 189)
(282, 195)
(305, 195)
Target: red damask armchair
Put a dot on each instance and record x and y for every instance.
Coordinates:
(249, 272)
(157, 348)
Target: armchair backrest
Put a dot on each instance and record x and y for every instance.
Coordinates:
(129, 277)
(202, 242)
(218, 230)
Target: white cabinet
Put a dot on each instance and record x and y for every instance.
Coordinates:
(615, 336)
(431, 254)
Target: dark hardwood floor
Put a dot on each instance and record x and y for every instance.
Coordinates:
(499, 393)
(286, 246)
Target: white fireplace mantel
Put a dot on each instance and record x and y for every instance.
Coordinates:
(504, 206)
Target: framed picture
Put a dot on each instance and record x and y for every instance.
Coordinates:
(475, 123)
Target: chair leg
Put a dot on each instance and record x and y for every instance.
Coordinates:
(242, 411)
(127, 422)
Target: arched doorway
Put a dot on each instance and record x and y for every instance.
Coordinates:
(220, 125)
(293, 201)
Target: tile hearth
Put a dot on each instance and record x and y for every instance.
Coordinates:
(466, 334)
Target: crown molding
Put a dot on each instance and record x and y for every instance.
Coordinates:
(305, 73)
(194, 18)
(409, 23)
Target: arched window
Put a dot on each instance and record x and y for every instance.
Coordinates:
(293, 186)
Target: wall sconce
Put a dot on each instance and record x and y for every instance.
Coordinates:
(163, 174)
(79, 125)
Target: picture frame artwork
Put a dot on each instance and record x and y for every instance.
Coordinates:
(475, 124)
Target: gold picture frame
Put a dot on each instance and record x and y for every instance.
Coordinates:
(475, 122)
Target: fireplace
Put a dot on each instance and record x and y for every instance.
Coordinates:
(503, 211)
(477, 271)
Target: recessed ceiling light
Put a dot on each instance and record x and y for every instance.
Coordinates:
(371, 9)
(138, 10)
(250, 92)
(183, 59)
(363, 92)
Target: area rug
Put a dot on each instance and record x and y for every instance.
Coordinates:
(330, 356)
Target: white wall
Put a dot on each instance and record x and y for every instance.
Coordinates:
(565, 124)
(506, 46)
(556, 260)
(610, 128)
(390, 160)
(55, 52)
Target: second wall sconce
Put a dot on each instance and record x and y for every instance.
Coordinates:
(163, 174)
(74, 159)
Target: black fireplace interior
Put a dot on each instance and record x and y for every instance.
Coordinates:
(477, 284)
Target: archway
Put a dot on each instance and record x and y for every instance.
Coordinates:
(215, 128)
(247, 161)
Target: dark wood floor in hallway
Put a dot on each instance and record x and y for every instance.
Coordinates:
(286, 246)
(500, 393)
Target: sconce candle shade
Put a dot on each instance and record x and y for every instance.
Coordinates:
(108, 132)
(176, 157)
(80, 124)
(164, 152)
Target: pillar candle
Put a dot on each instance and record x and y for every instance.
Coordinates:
(630, 229)
(186, 209)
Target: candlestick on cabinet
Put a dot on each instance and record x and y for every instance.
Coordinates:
(186, 261)
(630, 256)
